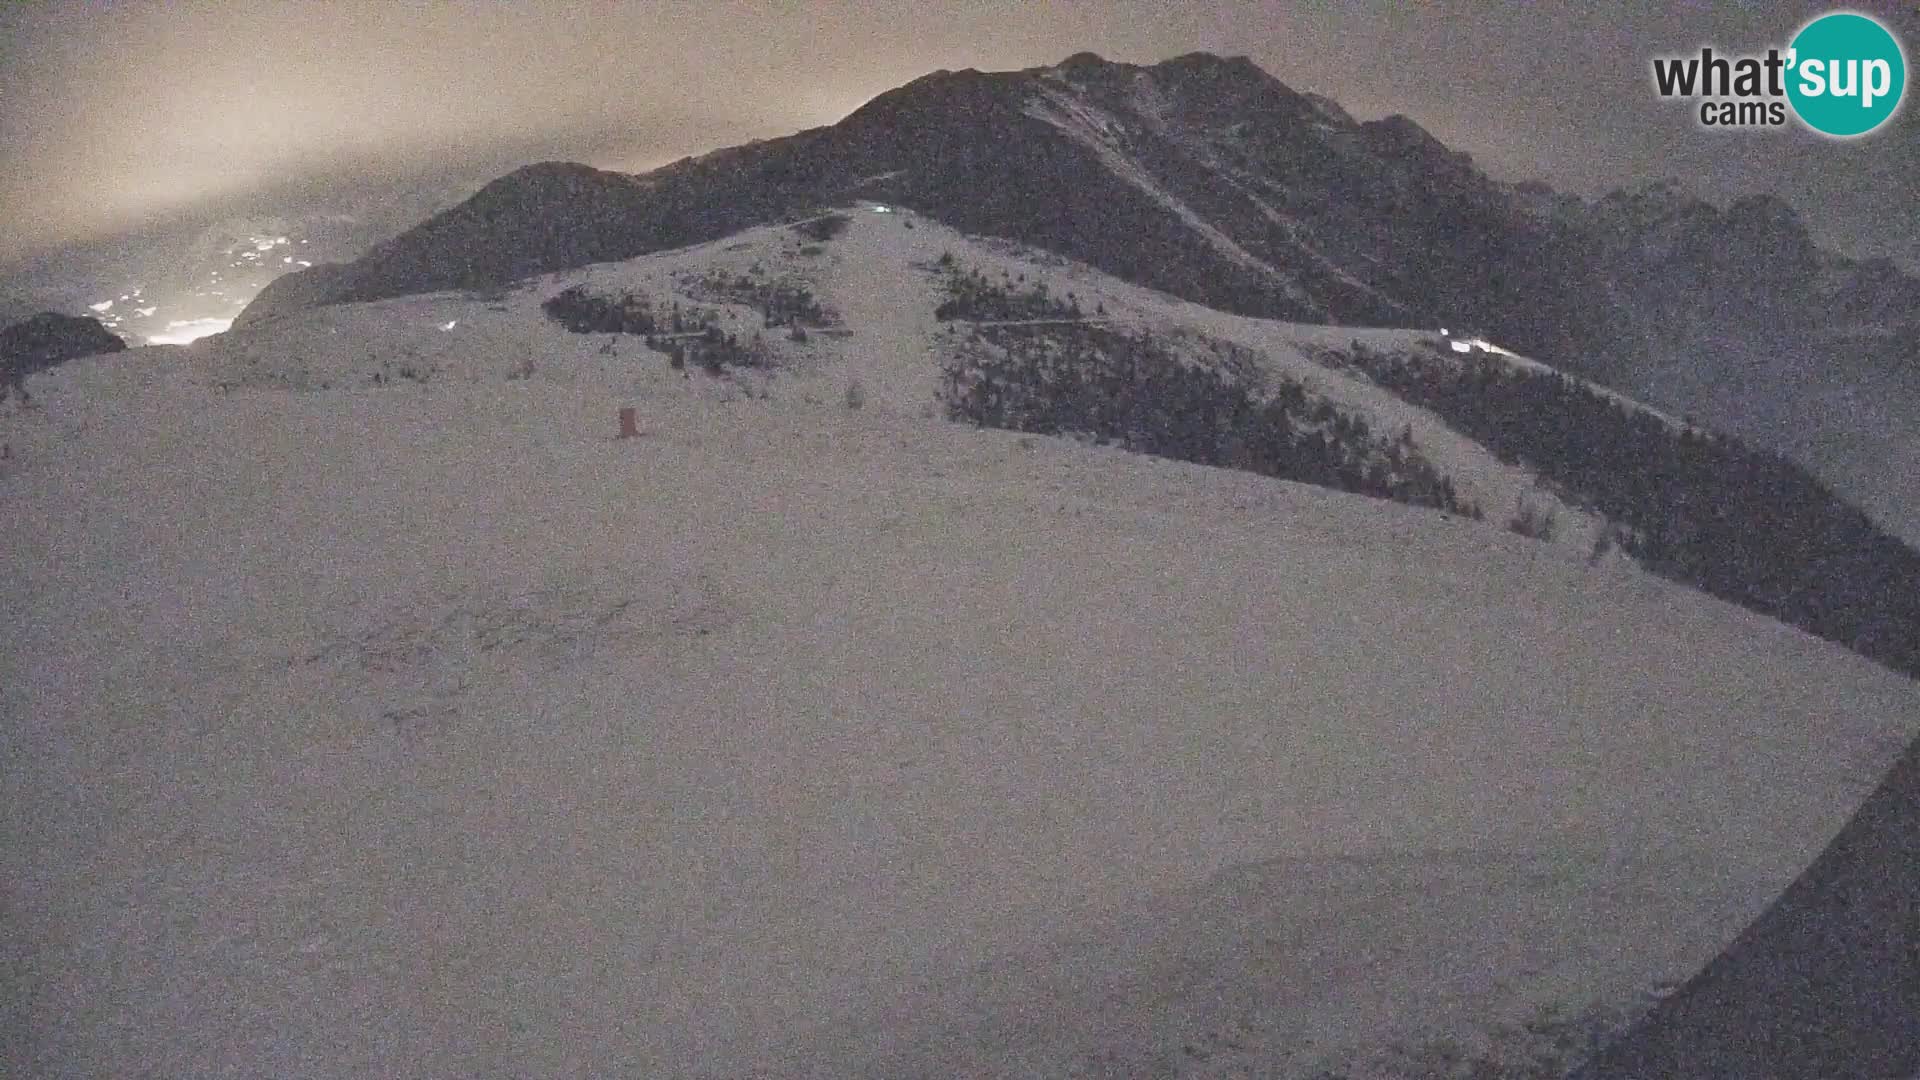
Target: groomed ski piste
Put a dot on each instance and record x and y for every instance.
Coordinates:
(424, 727)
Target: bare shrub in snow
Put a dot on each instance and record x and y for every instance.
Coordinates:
(1534, 523)
(823, 228)
(582, 312)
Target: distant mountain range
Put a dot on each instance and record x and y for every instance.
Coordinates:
(1207, 178)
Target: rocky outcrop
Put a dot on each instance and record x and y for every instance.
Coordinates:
(49, 339)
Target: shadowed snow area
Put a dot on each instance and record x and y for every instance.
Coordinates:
(429, 730)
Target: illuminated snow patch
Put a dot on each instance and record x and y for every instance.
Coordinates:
(145, 312)
(1461, 346)
(449, 325)
(304, 262)
(102, 305)
(183, 331)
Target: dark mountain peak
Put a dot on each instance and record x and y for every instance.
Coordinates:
(1082, 62)
(1765, 211)
(548, 179)
(1399, 139)
(967, 91)
(545, 170)
(1667, 192)
(1216, 92)
(1237, 76)
(1090, 71)
(1656, 204)
(1403, 128)
(1212, 64)
(1406, 136)
(1330, 110)
(1763, 224)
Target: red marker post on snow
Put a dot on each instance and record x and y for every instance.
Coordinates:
(629, 427)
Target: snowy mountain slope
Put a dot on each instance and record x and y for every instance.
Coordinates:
(1454, 422)
(882, 279)
(421, 726)
(1207, 178)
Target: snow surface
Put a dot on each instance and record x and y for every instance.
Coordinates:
(428, 729)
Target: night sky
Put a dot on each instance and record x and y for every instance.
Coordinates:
(114, 113)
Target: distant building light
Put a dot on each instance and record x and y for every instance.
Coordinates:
(1461, 346)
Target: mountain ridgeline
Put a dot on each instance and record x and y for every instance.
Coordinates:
(1200, 176)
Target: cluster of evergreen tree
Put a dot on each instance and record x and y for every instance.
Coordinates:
(791, 304)
(712, 350)
(824, 227)
(1135, 391)
(584, 313)
(1740, 524)
(780, 303)
(974, 296)
(689, 336)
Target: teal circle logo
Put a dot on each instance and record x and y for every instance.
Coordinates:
(1847, 74)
